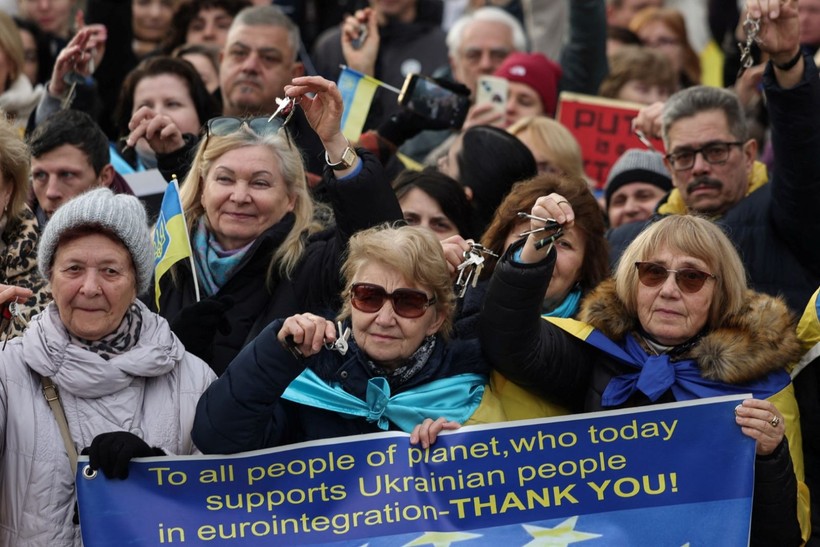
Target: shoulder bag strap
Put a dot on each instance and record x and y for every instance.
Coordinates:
(53, 398)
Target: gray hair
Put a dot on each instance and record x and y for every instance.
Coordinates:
(700, 98)
(269, 16)
(487, 13)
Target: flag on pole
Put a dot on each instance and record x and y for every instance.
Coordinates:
(357, 91)
(171, 243)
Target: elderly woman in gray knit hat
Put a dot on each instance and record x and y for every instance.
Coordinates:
(126, 386)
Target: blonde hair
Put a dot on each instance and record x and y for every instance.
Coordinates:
(291, 169)
(14, 166)
(12, 46)
(555, 141)
(694, 236)
(414, 252)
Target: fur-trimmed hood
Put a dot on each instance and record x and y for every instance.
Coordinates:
(760, 339)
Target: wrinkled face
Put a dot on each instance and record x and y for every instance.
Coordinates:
(209, 27)
(522, 101)
(244, 194)
(484, 46)
(809, 17)
(30, 62)
(633, 202)
(151, 19)
(637, 91)
(93, 282)
(420, 209)
(569, 249)
(206, 69)
(385, 337)
(168, 95)
(52, 16)
(657, 35)
(668, 314)
(59, 175)
(255, 65)
(620, 16)
(710, 189)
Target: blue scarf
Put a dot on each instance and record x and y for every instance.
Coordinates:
(568, 308)
(655, 374)
(455, 398)
(214, 265)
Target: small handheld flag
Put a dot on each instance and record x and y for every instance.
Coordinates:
(171, 243)
(357, 91)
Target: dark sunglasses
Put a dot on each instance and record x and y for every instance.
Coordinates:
(408, 303)
(689, 280)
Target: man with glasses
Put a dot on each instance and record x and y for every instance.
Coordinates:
(714, 170)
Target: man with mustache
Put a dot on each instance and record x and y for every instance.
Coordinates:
(714, 170)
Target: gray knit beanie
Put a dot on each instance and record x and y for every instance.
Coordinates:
(122, 214)
(637, 165)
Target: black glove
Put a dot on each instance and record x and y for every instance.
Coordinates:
(196, 325)
(112, 451)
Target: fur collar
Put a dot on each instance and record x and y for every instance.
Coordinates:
(750, 344)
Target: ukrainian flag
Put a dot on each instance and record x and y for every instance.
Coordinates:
(171, 243)
(357, 91)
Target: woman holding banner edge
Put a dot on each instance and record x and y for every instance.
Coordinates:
(259, 252)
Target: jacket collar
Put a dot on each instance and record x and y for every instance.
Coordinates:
(757, 340)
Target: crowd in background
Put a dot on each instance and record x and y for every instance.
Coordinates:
(698, 258)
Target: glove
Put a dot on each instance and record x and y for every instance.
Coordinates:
(196, 325)
(112, 451)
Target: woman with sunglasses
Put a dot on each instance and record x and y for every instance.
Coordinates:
(259, 252)
(676, 322)
(386, 365)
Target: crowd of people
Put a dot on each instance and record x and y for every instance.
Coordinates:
(326, 269)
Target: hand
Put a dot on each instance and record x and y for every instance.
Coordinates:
(309, 332)
(747, 87)
(362, 59)
(483, 114)
(323, 110)
(454, 248)
(159, 131)
(197, 325)
(648, 120)
(112, 451)
(779, 34)
(553, 206)
(9, 293)
(755, 416)
(82, 55)
(427, 431)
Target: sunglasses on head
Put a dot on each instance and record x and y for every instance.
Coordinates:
(408, 303)
(261, 126)
(689, 280)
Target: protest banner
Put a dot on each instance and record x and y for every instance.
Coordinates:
(661, 475)
(603, 128)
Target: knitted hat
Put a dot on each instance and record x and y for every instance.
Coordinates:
(536, 71)
(637, 165)
(122, 214)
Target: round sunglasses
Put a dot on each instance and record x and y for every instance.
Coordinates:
(689, 280)
(408, 303)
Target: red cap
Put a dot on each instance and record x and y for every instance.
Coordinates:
(536, 71)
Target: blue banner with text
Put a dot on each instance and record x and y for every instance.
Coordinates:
(660, 475)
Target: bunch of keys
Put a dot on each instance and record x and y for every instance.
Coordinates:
(751, 27)
(470, 269)
(550, 225)
(284, 105)
(11, 313)
(72, 79)
(339, 345)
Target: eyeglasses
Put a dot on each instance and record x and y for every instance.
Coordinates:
(408, 303)
(715, 153)
(689, 280)
(262, 126)
(474, 55)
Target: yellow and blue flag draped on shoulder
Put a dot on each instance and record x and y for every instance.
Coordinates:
(171, 243)
(357, 91)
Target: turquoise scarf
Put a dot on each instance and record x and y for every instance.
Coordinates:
(455, 398)
(568, 308)
(214, 265)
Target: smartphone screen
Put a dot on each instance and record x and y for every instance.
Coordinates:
(425, 97)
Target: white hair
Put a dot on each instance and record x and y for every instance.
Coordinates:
(487, 13)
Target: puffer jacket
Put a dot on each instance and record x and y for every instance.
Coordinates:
(150, 390)
(546, 359)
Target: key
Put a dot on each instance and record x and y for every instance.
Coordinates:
(340, 344)
(283, 105)
(751, 27)
(470, 269)
(11, 314)
(72, 79)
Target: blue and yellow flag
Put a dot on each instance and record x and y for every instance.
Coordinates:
(171, 243)
(357, 91)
